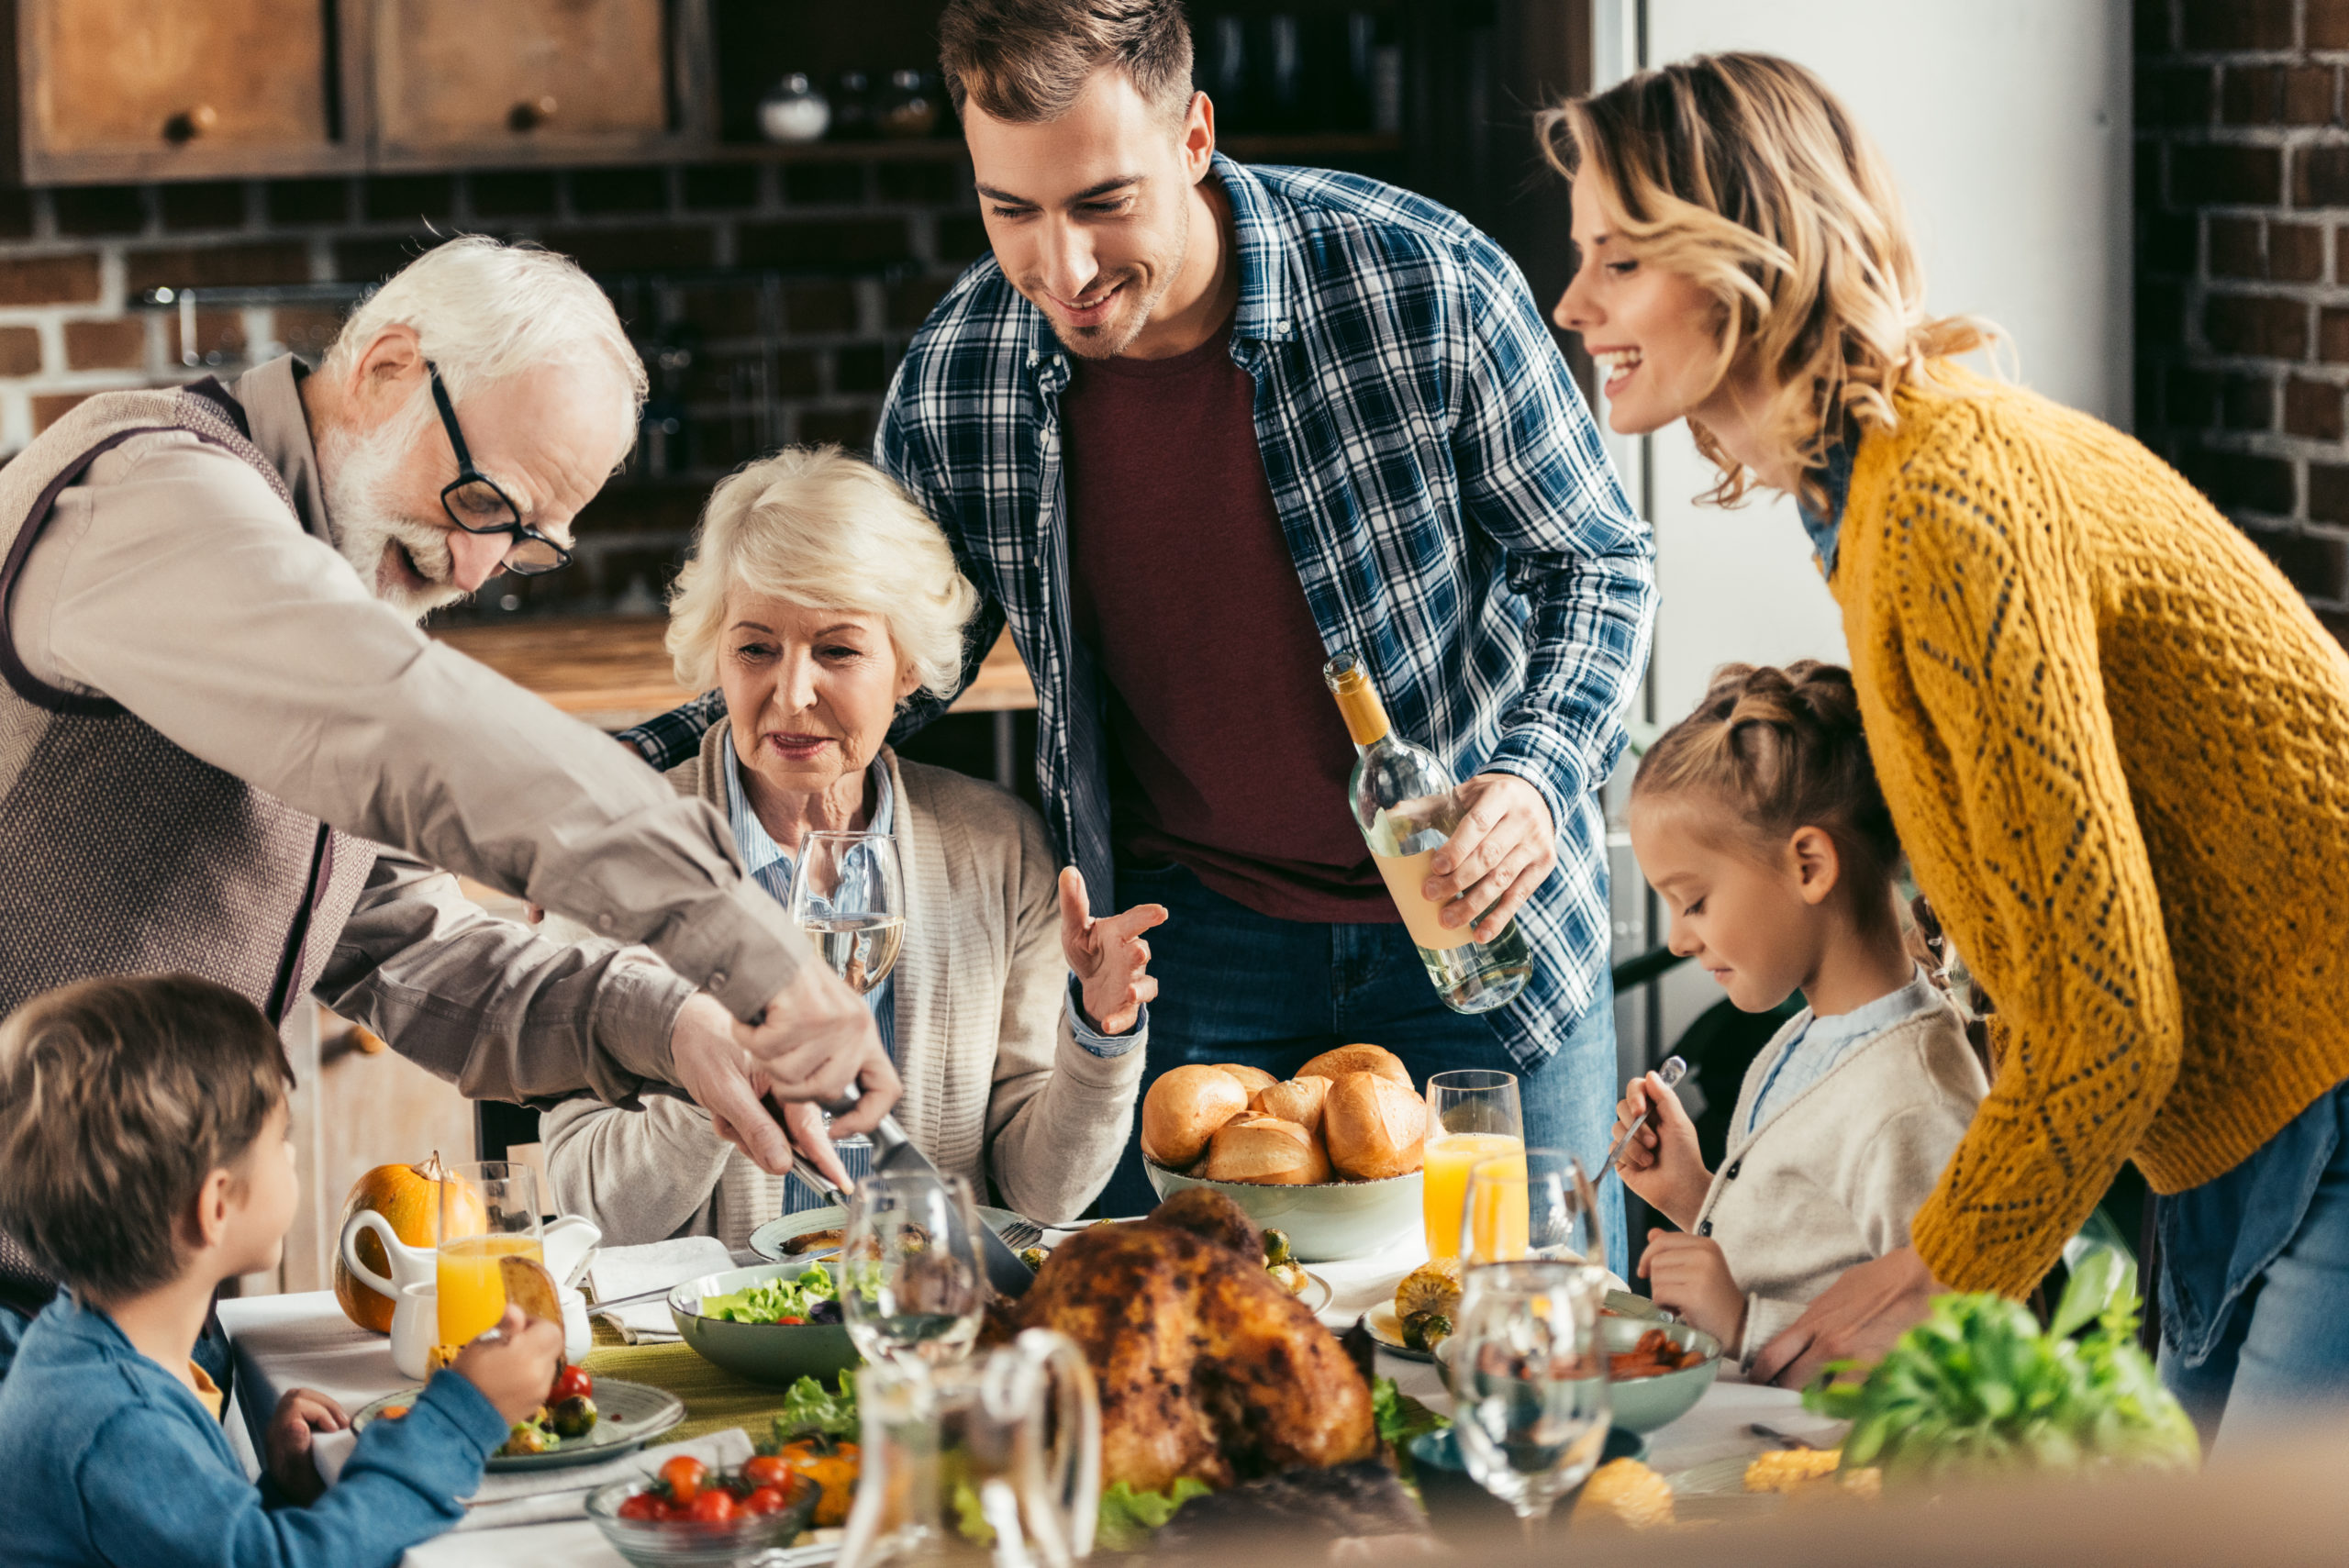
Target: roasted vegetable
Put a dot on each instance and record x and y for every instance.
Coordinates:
(525, 1437)
(1425, 1330)
(1977, 1388)
(832, 1466)
(1426, 1301)
(575, 1417)
(1033, 1256)
(1276, 1248)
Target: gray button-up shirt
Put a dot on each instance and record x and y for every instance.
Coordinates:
(170, 580)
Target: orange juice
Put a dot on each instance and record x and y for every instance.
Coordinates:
(471, 1294)
(1444, 1185)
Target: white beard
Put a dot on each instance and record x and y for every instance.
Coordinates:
(359, 473)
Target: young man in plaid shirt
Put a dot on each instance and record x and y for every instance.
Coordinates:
(1192, 428)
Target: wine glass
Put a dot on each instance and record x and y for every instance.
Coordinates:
(848, 893)
(913, 1289)
(1473, 1116)
(1535, 1203)
(1528, 1381)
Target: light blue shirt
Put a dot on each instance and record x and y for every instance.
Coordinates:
(772, 867)
(1822, 1042)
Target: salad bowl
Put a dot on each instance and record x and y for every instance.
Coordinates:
(733, 1320)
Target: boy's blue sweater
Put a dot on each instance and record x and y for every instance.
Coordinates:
(111, 1459)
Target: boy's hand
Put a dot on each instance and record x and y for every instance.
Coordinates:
(1691, 1276)
(1109, 956)
(1661, 1162)
(303, 1412)
(513, 1364)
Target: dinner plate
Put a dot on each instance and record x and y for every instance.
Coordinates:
(629, 1415)
(768, 1239)
(1387, 1328)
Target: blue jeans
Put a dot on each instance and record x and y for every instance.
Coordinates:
(2254, 1278)
(1234, 985)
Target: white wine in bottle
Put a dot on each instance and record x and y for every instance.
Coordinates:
(1402, 799)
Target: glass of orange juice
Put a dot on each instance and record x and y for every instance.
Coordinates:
(1533, 1203)
(489, 1210)
(1473, 1116)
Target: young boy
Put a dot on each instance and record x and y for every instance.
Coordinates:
(144, 1160)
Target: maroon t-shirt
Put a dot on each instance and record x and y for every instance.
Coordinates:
(1227, 753)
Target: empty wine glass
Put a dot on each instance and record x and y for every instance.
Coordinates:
(848, 893)
(1529, 1382)
(1537, 1203)
(913, 1290)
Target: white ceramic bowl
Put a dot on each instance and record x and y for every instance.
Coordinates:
(1326, 1222)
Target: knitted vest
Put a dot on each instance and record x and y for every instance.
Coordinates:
(124, 854)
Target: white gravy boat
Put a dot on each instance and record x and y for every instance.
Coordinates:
(567, 1242)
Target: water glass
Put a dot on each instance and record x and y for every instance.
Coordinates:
(488, 1210)
(1528, 1381)
(1535, 1203)
(914, 1290)
(848, 894)
(1473, 1116)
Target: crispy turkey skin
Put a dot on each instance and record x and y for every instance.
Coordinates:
(1207, 1367)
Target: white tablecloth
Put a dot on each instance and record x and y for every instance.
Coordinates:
(287, 1342)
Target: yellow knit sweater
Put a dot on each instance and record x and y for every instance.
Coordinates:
(2116, 745)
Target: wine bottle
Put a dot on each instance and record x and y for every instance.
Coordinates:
(1402, 799)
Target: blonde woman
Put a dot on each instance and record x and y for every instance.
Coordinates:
(2110, 735)
(818, 599)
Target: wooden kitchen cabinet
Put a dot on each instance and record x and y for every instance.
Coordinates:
(159, 89)
(457, 82)
(118, 90)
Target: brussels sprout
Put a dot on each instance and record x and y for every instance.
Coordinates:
(1032, 1256)
(1276, 1248)
(575, 1417)
(524, 1438)
(1424, 1330)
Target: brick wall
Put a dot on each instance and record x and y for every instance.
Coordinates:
(2242, 269)
(791, 289)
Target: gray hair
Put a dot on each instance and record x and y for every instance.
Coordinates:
(485, 311)
(826, 530)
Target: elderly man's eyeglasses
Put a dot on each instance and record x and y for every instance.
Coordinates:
(477, 505)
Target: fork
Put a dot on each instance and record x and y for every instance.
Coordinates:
(1021, 1234)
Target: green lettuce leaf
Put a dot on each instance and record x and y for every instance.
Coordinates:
(1399, 1416)
(810, 1410)
(1128, 1518)
(772, 1299)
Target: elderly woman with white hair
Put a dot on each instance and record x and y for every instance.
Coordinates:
(819, 598)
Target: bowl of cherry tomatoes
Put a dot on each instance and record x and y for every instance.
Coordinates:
(690, 1514)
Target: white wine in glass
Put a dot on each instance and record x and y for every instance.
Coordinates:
(1403, 799)
(848, 893)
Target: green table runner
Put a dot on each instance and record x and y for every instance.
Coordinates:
(715, 1399)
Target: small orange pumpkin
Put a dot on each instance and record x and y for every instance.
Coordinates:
(408, 1198)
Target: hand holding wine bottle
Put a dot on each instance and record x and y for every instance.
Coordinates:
(1404, 800)
(1504, 844)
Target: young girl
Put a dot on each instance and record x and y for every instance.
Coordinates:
(1758, 820)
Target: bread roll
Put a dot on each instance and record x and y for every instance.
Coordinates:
(1267, 1150)
(1252, 1079)
(1335, 1064)
(1374, 1127)
(1297, 1100)
(1183, 1111)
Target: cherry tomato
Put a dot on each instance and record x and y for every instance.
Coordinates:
(715, 1508)
(684, 1474)
(786, 1318)
(765, 1500)
(571, 1382)
(643, 1506)
(767, 1470)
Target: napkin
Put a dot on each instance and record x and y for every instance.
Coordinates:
(625, 1271)
(537, 1497)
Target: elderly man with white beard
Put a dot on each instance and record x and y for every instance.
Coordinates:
(227, 748)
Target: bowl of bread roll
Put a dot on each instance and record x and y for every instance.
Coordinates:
(1331, 1156)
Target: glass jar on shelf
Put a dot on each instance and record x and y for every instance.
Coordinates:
(794, 110)
(907, 110)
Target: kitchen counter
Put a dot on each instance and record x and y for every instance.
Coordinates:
(612, 672)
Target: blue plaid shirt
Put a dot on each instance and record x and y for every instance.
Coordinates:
(1446, 497)
(1451, 512)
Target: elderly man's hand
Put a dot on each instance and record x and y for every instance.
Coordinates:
(1505, 845)
(1109, 956)
(712, 1066)
(813, 1038)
